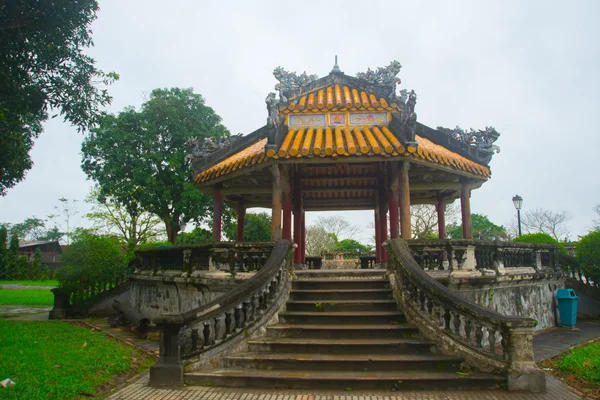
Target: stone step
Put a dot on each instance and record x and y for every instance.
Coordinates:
(341, 346)
(342, 294)
(340, 273)
(342, 380)
(340, 284)
(342, 305)
(343, 362)
(346, 331)
(342, 317)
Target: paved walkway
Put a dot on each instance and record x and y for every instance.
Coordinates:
(546, 344)
(551, 342)
(140, 391)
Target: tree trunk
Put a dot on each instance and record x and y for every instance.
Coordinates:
(172, 230)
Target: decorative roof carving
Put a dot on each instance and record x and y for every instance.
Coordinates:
(481, 139)
(385, 76)
(202, 148)
(290, 81)
(273, 109)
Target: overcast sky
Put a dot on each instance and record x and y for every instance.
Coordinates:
(530, 69)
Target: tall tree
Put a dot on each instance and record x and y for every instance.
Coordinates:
(43, 67)
(424, 220)
(67, 209)
(318, 240)
(138, 158)
(337, 225)
(547, 221)
(132, 225)
(257, 228)
(483, 229)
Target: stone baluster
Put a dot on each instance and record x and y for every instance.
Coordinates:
(248, 312)
(220, 328)
(492, 339)
(256, 304)
(239, 317)
(230, 322)
(479, 336)
(447, 317)
(468, 330)
(209, 333)
(194, 337)
(457, 323)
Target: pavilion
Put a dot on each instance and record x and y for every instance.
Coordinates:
(343, 143)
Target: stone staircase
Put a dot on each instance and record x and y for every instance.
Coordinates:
(342, 330)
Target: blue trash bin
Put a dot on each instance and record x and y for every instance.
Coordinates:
(567, 306)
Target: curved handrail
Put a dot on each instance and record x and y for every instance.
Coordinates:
(228, 300)
(456, 323)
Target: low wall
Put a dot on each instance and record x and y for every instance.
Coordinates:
(526, 297)
(340, 264)
(159, 295)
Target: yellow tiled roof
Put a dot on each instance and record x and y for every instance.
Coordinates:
(338, 97)
(342, 142)
(251, 155)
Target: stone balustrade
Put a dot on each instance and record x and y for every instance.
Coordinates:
(486, 257)
(227, 320)
(486, 339)
(225, 256)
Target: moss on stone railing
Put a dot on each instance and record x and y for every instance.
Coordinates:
(212, 328)
(487, 340)
(466, 254)
(228, 256)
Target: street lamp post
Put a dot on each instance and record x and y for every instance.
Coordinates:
(518, 202)
(182, 225)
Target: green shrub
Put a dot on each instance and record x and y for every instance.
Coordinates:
(91, 260)
(588, 255)
(153, 245)
(539, 238)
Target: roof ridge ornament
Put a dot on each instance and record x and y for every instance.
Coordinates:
(336, 69)
(385, 76)
(290, 81)
(482, 139)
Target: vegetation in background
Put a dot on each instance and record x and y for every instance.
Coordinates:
(257, 228)
(483, 229)
(45, 68)
(139, 158)
(91, 260)
(56, 360)
(540, 220)
(588, 255)
(540, 238)
(424, 220)
(351, 246)
(579, 368)
(132, 224)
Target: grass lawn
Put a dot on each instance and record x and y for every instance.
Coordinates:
(49, 282)
(57, 360)
(26, 297)
(579, 368)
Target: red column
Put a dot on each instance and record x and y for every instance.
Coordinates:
(241, 214)
(297, 219)
(377, 235)
(465, 208)
(393, 199)
(303, 252)
(217, 216)
(287, 216)
(382, 217)
(276, 204)
(404, 202)
(441, 209)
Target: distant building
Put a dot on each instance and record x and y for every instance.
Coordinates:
(51, 252)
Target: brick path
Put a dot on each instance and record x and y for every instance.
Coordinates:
(140, 391)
